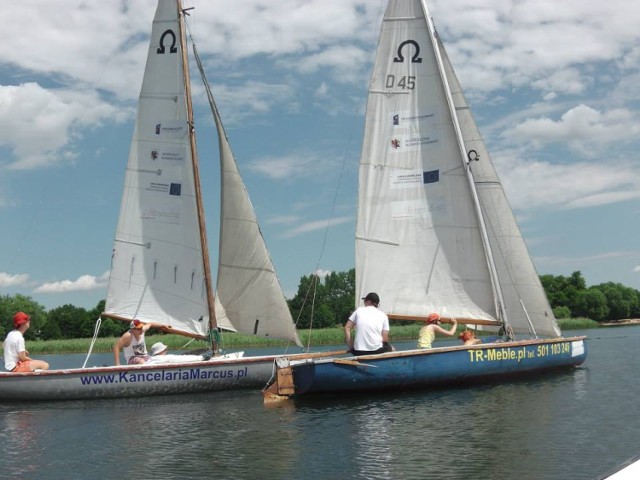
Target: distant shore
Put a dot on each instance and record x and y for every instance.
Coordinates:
(622, 323)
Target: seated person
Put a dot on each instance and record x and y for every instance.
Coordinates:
(159, 355)
(468, 338)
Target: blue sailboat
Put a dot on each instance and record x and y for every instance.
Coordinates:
(435, 233)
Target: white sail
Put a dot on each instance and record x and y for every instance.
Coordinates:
(419, 235)
(248, 293)
(417, 241)
(522, 290)
(157, 272)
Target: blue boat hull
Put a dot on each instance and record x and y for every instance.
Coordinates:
(435, 367)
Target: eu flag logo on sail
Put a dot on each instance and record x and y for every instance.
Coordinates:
(175, 189)
(432, 176)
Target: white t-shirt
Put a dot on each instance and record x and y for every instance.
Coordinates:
(137, 347)
(13, 345)
(370, 322)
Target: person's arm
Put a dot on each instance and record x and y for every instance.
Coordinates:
(23, 356)
(159, 326)
(385, 336)
(122, 342)
(451, 331)
(347, 334)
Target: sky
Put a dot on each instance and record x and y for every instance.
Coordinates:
(554, 87)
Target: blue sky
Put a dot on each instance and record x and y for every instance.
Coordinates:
(554, 87)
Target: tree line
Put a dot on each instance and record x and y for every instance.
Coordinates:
(324, 302)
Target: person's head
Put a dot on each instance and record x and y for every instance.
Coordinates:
(466, 335)
(158, 348)
(135, 327)
(20, 319)
(372, 298)
(433, 318)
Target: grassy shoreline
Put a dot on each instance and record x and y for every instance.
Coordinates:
(327, 336)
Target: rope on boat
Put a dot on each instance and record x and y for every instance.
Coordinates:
(215, 338)
(93, 340)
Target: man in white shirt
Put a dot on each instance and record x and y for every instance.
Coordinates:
(371, 328)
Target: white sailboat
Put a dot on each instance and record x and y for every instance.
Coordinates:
(160, 262)
(435, 232)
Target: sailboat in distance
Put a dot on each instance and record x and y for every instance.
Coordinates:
(160, 262)
(435, 233)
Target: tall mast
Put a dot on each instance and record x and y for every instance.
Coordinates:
(196, 171)
(495, 283)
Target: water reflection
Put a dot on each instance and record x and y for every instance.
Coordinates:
(18, 439)
(577, 424)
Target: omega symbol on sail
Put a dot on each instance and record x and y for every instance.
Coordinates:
(173, 48)
(415, 58)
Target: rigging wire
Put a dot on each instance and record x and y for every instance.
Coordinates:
(357, 109)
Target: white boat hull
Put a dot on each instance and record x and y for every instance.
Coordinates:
(143, 380)
(137, 381)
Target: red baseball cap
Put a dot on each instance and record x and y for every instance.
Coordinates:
(433, 317)
(136, 324)
(20, 318)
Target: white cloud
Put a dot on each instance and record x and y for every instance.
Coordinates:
(322, 273)
(8, 280)
(83, 283)
(38, 125)
(315, 225)
(527, 43)
(532, 183)
(294, 165)
(283, 220)
(583, 128)
(587, 258)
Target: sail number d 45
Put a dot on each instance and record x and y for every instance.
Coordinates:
(405, 82)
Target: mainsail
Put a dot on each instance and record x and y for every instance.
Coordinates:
(435, 232)
(157, 272)
(160, 259)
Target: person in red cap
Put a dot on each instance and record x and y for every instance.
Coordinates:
(432, 326)
(371, 328)
(16, 356)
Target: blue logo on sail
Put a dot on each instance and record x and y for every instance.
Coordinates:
(175, 189)
(432, 176)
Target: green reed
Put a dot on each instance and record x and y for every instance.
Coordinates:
(325, 336)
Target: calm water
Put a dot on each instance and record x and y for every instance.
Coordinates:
(573, 425)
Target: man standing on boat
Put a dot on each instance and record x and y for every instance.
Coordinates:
(132, 343)
(16, 356)
(371, 328)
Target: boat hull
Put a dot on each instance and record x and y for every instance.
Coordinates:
(141, 380)
(430, 368)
